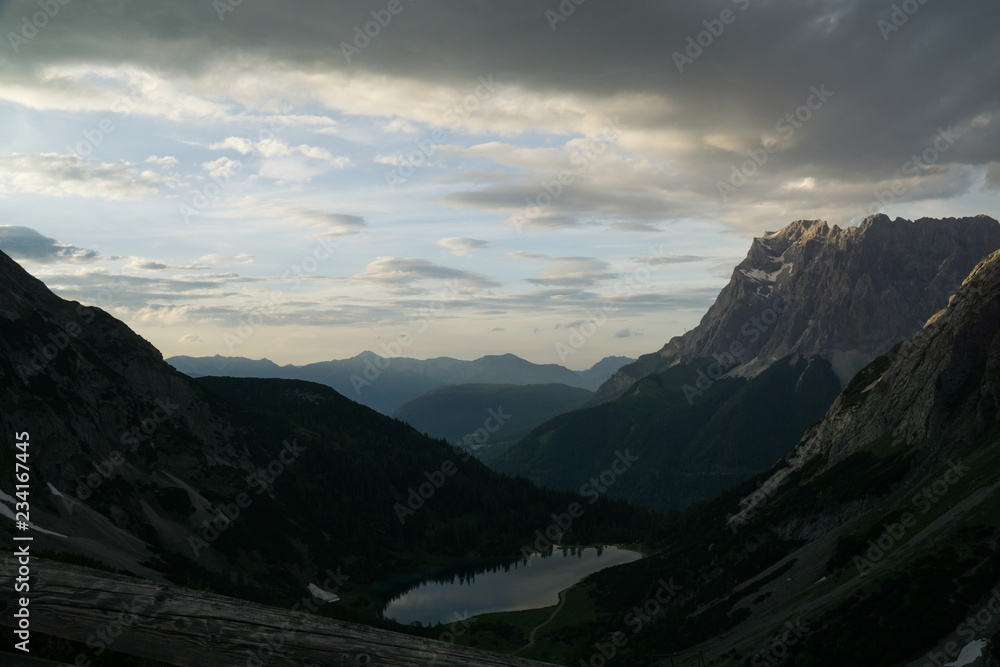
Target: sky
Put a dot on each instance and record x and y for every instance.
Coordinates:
(563, 180)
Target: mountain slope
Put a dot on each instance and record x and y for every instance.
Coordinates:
(386, 383)
(806, 297)
(690, 449)
(145, 470)
(875, 541)
(461, 414)
(943, 385)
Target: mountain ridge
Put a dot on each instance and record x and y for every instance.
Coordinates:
(807, 305)
(386, 383)
(875, 541)
(808, 257)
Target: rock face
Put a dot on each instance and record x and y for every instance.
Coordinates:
(878, 534)
(939, 388)
(851, 294)
(704, 412)
(106, 417)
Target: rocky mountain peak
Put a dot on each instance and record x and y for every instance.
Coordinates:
(938, 389)
(845, 294)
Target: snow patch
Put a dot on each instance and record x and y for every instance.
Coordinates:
(970, 653)
(320, 594)
(9, 513)
(763, 276)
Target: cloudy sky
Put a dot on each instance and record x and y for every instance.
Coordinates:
(304, 180)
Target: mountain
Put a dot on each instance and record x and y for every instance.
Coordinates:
(875, 541)
(386, 383)
(850, 293)
(252, 487)
(482, 416)
(806, 308)
(597, 374)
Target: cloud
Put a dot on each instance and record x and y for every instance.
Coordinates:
(399, 125)
(626, 333)
(497, 329)
(242, 258)
(190, 338)
(140, 264)
(527, 256)
(26, 244)
(682, 131)
(270, 148)
(461, 246)
(402, 273)
(655, 260)
(165, 161)
(222, 168)
(65, 175)
(572, 272)
(329, 224)
(575, 272)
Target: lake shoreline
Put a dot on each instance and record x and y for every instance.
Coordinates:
(497, 586)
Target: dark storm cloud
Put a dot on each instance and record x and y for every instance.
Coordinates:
(891, 90)
(25, 243)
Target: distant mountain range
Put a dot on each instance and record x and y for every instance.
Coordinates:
(386, 383)
(253, 487)
(807, 308)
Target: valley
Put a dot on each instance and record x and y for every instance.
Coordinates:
(486, 333)
(756, 513)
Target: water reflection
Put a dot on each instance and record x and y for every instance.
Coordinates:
(510, 585)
